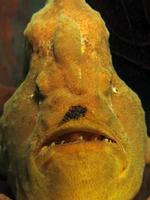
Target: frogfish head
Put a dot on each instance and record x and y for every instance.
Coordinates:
(73, 129)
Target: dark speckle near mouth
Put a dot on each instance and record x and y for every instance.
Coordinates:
(74, 113)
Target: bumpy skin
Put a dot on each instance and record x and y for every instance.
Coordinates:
(71, 68)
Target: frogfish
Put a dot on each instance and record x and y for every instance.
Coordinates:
(73, 129)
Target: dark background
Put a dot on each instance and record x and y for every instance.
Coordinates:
(129, 24)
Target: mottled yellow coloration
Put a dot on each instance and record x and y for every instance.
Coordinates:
(73, 129)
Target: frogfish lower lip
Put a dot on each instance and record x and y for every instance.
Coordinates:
(77, 137)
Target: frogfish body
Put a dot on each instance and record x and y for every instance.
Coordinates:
(73, 129)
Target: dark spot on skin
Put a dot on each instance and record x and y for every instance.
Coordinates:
(74, 113)
(38, 96)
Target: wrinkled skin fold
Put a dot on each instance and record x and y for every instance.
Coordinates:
(73, 128)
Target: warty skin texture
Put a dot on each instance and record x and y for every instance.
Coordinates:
(71, 66)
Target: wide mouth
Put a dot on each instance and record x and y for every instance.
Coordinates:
(68, 137)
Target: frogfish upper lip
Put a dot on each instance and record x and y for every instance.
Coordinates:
(76, 135)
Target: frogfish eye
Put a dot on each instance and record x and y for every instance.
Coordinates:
(38, 97)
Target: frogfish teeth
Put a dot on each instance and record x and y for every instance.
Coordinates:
(73, 129)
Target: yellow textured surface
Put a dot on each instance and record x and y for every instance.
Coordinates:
(71, 66)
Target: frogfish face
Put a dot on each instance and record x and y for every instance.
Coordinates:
(73, 129)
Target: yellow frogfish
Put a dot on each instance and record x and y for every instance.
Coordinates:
(73, 130)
